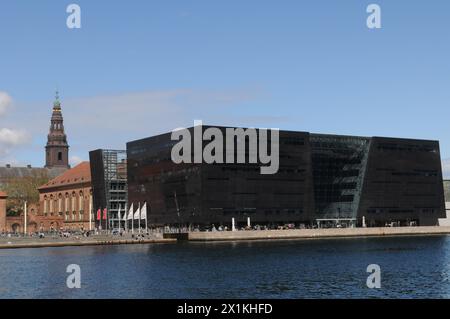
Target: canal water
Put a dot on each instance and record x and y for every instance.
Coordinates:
(411, 267)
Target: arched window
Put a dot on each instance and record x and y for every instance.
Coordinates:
(81, 202)
(66, 204)
(51, 203)
(73, 208)
(60, 202)
(45, 205)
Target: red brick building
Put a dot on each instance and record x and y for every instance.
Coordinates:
(68, 198)
(3, 197)
(65, 203)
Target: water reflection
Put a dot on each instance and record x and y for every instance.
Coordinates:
(412, 267)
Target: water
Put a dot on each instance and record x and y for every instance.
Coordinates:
(412, 267)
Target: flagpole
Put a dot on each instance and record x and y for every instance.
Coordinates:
(98, 220)
(25, 219)
(90, 213)
(146, 228)
(126, 218)
(118, 213)
(132, 222)
(139, 220)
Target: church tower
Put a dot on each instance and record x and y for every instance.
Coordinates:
(57, 149)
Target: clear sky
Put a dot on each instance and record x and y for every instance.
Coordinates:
(138, 68)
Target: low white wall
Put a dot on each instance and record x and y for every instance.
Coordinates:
(317, 233)
(445, 221)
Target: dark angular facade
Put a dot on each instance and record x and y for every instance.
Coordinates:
(320, 178)
(403, 180)
(109, 183)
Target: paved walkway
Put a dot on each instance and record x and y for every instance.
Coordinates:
(49, 241)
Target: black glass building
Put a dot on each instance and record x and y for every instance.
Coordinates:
(109, 183)
(325, 180)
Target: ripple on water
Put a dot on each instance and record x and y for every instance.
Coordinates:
(411, 267)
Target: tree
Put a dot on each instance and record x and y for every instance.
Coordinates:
(23, 189)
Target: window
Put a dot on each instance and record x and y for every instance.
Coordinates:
(59, 156)
(45, 205)
(60, 203)
(66, 204)
(81, 202)
(73, 201)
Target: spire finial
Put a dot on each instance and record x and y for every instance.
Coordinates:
(56, 104)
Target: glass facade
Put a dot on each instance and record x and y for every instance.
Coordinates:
(338, 164)
(328, 179)
(109, 183)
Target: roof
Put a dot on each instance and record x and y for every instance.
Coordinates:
(78, 175)
(3, 194)
(9, 173)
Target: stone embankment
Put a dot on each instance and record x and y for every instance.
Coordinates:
(317, 233)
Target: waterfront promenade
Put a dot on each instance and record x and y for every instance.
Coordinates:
(35, 242)
(241, 235)
(317, 233)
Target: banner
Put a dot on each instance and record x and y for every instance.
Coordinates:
(99, 214)
(144, 211)
(137, 214)
(104, 213)
(130, 212)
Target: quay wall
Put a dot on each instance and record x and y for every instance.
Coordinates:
(63, 243)
(317, 233)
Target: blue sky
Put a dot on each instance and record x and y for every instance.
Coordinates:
(138, 68)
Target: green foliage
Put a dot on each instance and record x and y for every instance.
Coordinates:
(23, 189)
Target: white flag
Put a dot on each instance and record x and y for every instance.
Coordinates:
(130, 212)
(137, 214)
(144, 211)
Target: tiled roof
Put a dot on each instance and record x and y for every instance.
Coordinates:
(77, 175)
(3, 194)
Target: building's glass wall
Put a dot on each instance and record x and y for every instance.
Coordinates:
(172, 191)
(403, 183)
(109, 183)
(338, 164)
(335, 179)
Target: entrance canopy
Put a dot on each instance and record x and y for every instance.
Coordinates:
(337, 221)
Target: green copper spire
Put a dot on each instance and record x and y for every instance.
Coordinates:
(57, 103)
